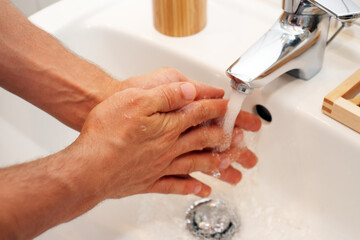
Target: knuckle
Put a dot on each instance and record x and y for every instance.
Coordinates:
(133, 96)
(206, 137)
(170, 188)
(202, 111)
(168, 95)
(199, 141)
(166, 128)
(130, 92)
(165, 96)
(189, 166)
(214, 163)
(167, 69)
(203, 142)
(172, 73)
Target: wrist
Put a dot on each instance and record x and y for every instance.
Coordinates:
(81, 93)
(110, 87)
(80, 176)
(41, 194)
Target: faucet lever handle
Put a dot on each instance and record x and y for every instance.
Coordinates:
(342, 10)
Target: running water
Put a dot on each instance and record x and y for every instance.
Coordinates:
(233, 110)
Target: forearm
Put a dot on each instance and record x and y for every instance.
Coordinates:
(38, 195)
(36, 67)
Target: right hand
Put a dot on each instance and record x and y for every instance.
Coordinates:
(141, 141)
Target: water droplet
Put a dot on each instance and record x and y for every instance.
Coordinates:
(216, 173)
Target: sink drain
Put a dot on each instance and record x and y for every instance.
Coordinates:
(211, 219)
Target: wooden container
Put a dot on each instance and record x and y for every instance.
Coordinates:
(343, 103)
(179, 18)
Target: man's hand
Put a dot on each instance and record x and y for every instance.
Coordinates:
(43, 72)
(136, 141)
(245, 121)
(140, 141)
(169, 75)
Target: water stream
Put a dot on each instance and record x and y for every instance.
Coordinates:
(233, 110)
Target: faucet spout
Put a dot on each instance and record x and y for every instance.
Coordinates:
(295, 44)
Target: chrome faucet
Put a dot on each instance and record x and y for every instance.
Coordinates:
(295, 44)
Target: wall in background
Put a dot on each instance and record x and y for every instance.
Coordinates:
(28, 7)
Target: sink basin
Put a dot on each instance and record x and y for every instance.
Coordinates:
(306, 183)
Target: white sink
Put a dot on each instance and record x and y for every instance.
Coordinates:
(306, 185)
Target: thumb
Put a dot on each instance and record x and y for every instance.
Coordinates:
(172, 96)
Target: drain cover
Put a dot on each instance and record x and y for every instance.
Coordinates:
(211, 219)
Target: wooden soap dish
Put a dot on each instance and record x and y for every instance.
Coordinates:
(343, 103)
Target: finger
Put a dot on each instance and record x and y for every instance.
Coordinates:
(237, 138)
(179, 185)
(206, 137)
(198, 161)
(199, 138)
(170, 97)
(244, 156)
(248, 121)
(198, 112)
(230, 175)
(206, 91)
(167, 75)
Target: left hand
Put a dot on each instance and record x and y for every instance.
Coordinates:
(169, 75)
